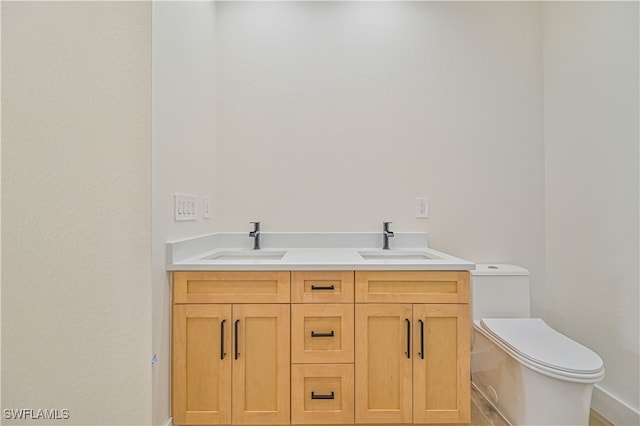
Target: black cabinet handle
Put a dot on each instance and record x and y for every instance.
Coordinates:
(235, 338)
(321, 287)
(314, 396)
(314, 334)
(222, 352)
(408, 352)
(421, 353)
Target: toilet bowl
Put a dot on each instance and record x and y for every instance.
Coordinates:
(529, 372)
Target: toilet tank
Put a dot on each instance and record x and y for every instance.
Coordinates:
(499, 291)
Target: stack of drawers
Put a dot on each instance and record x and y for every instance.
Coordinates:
(322, 351)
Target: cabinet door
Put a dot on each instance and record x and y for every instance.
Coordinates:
(261, 367)
(441, 376)
(201, 364)
(383, 363)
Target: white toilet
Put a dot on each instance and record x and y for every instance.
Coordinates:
(531, 374)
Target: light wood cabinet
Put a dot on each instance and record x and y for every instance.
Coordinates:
(230, 362)
(412, 359)
(321, 347)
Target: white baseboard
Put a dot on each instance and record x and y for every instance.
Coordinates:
(612, 409)
(169, 422)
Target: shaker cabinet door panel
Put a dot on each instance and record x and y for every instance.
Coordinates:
(261, 366)
(441, 376)
(383, 363)
(201, 369)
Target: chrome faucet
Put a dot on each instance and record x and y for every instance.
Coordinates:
(255, 234)
(386, 234)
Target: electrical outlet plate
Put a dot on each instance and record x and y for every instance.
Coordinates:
(422, 207)
(185, 207)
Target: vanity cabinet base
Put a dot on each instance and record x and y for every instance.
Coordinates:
(321, 348)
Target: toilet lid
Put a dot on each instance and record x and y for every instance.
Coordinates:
(533, 339)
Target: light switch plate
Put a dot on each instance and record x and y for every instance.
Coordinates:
(185, 207)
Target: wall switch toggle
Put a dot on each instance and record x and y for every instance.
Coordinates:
(422, 207)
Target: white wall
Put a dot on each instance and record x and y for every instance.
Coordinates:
(328, 117)
(592, 186)
(76, 173)
(184, 160)
(334, 116)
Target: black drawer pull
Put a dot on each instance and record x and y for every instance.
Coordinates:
(314, 396)
(330, 334)
(322, 287)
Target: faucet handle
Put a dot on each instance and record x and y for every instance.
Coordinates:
(386, 234)
(255, 234)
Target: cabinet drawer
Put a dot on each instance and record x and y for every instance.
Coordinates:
(322, 287)
(412, 286)
(231, 287)
(322, 333)
(322, 394)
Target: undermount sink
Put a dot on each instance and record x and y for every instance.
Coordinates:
(397, 255)
(247, 255)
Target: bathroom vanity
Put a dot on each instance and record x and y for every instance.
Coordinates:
(320, 336)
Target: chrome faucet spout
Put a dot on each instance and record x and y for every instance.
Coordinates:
(255, 234)
(386, 234)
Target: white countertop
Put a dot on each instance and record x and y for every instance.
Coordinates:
(309, 251)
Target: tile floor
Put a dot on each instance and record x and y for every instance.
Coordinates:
(483, 414)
